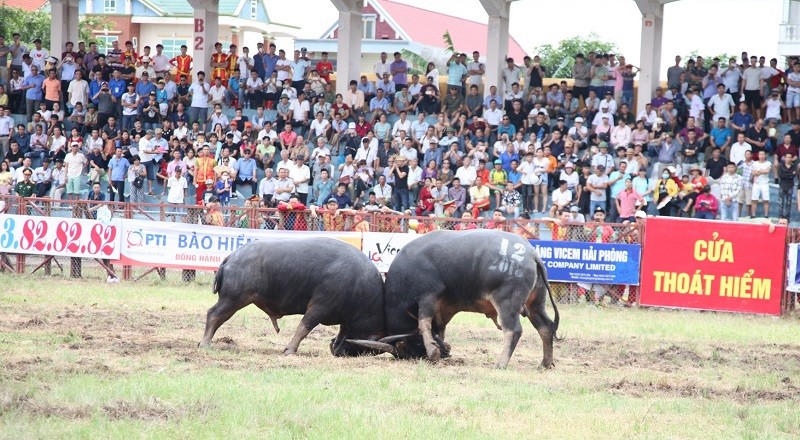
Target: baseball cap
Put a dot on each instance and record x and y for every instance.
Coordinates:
(579, 119)
(640, 214)
(145, 59)
(351, 125)
(332, 200)
(574, 208)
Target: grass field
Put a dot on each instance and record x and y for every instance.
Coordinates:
(82, 359)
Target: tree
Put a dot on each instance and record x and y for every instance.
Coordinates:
(708, 59)
(36, 24)
(557, 60)
(417, 64)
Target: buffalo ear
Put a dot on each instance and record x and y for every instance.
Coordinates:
(382, 347)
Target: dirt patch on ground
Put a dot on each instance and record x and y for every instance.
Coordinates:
(103, 341)
(151, 410)
(693, 390)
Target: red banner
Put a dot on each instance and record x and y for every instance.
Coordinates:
(713, 265)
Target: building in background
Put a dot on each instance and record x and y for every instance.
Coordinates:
(170, 22)
(391, 27)
(789, 34)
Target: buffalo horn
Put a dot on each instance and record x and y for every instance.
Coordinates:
(375, 345)
(390, 339)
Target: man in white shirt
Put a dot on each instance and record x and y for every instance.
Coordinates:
(402, 124)
(475, 70)
(160, 62)
(721, 104)
(466, 173)
(738, 149)
(283, 66)
(753, 87)
(74, 163)
(198, 111)
(299, 109)
(368, 152)
(382, 66)
(78, 90)
(177, 188)
(300, 175)
(320, 126)
(510, 74)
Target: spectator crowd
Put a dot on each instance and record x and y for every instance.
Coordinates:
(143, 125)
(138, 127)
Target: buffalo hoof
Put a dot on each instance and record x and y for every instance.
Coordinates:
(435, 355)
(547, 366)
(289, 352)
(203, 345)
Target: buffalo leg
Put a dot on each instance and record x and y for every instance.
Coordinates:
(512, 331)
(309, 321)
(542, 323)
(217, 315)
(427, 310)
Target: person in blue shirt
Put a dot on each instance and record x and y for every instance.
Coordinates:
(379, 105)
(143, 89)
(33, 91)
(742, 120)
(457, 71)
(506, 157)
(246, 171)
(95, 195)
(118, 171)
(117, 86)
(721, 137)
(235, 91)
(94, 86)
(222, 189)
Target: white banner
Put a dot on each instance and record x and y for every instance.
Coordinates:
(792, 271)
(67, 237)
(381, 247)
(188, 246)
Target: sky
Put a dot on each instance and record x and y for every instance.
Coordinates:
(687, 23)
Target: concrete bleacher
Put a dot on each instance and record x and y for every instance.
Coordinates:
(244, 191)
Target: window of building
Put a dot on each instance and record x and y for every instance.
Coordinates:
(109, 6)
(172, 46)
(104, 42)
(369, 27)
(253, 9)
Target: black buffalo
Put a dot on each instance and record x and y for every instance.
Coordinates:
(446, 272)
(326, 280)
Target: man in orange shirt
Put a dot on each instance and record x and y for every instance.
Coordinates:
(232, 61)
(52, 89)
(183, 63)
(129, 52)
(219, 64)
(204, 170)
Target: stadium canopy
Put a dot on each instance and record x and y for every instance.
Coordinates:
(64, 14)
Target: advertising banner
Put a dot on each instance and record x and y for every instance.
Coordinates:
(66, 237)
(713, 265)
(382, 247)
(187, 246)
(793, 269)
(595, 263)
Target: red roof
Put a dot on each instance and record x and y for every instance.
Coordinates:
(426, 27)
(27, 5)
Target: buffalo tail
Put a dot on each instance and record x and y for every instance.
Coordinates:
(218, 278)
(556, 319)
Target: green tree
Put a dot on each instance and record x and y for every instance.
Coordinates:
(417, 64)
(557, 60)
(708, 58)
(36, 24)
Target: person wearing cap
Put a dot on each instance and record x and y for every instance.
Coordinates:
(145, 67)
(332, 218)
(597, 184)
(773, 106)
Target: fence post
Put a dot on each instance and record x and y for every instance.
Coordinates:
(128, 214)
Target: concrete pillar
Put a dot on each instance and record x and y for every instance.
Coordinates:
(497, 42)
(650, 64)
(235, 37)
(348, 58)
(205, 34)
(64, 19)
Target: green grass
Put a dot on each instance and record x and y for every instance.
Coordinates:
(83, 359)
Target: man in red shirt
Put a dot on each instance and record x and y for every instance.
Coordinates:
(325, 68)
